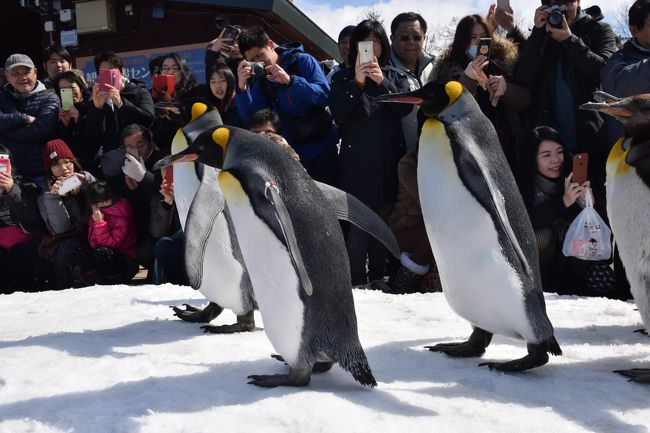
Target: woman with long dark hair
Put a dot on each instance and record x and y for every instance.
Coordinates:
(220, 92)
(372, 140)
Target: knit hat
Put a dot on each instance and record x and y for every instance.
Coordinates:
(55, 149)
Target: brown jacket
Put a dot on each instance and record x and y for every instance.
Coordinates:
(407, 212)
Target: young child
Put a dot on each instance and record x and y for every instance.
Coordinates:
(113, 239)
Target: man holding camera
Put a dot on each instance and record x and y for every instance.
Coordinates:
(290, 82)
(561, 64)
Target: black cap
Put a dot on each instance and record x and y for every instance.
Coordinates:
(346, 32)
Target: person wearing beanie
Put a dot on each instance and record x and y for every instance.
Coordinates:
(62, 211)
(28, 116)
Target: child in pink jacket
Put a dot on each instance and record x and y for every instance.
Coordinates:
(112, 236)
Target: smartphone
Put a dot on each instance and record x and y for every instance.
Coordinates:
(366, 52)
(229, 32)
(168, 175)
(484, 47)
(580, 162)
(503, 4)
(162, 83)
(108, 76)
(5, 163)
(67, 102)
(69, 184)
(133, 152)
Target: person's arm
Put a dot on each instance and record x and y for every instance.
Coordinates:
(529, 63)
(55, 213)
(143, 113)
(589, 60)
(310, 85)
(623, 79)
(161, 216)
(345, 96)
(44, 125)
(516, 98)
(21, 200)
(12, 121)
(103, 234)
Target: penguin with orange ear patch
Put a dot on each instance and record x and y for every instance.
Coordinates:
(478, 228)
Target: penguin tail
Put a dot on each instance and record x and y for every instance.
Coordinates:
(355, 361)
(552, 346)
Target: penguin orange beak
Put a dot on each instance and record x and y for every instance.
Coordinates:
(606, 108)
(402, 99)
(176, 158)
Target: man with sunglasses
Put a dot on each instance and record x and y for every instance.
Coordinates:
(561, 65)
(408, 33)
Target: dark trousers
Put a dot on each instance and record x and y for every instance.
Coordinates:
(363, 248)
(64, 252)
(170, 256)
(101, 266)
(19, 267)
(324, 167)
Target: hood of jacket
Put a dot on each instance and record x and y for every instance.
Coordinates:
(38, 87)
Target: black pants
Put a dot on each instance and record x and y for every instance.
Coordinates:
(101, 266)
(19, 268)
(323, 168)
(364, 248)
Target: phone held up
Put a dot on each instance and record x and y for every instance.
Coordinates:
(67, 101)
(230, 33)
(162, 83)
(366, 52)
(503, 4)
(484, 47)
(168, 176)
(5, 163)
(580, 162)
(108, 76)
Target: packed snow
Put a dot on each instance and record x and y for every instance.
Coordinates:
(115, 360)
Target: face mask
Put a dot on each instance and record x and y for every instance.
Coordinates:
(471, 51)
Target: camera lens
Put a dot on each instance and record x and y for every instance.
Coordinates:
(258, 69)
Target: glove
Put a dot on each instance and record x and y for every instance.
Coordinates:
(133, 168)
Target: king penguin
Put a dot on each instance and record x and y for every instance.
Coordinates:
(292, 244)
(225, 280)
(628, 198)
(478, 228)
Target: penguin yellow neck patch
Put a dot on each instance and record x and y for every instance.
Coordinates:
(454, 89)
(616, 158)
(221, 137)
(198, 110)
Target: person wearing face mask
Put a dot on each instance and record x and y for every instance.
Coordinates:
(561, 66)
(488, 77)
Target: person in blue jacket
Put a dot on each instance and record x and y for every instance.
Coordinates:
(290, 82)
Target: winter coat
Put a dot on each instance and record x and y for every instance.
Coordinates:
(26, 140)
(371, 144)
(137, 107)
(626, 73)
(18, 208)
(164, 218)
(116, 231)
(505, 116)
(308, 88)
(83, 147)
(417, 79)
(584, 54)
(407, 212)
(64, 214)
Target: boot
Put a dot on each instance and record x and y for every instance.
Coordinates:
(405, 281)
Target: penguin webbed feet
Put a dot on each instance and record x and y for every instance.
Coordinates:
(638, 375)
(296, 377)
(319, 367)
(245, 323)
(474, 347)
(197, 315)
(537, 356)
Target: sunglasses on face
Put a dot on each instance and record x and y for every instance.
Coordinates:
(406, 38)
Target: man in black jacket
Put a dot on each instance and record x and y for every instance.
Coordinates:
(561, 65)
(28, 116)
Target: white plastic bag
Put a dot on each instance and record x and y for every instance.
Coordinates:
(588, 237)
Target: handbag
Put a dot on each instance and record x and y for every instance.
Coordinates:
(588, 237)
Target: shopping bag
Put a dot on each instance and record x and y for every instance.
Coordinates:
(588, 237)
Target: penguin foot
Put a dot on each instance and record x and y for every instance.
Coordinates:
(642, 331)
(296, 377)
(245, 323)
(463, 349)
(319, 367)
(537, 356)
(197, 315)
(639, 375)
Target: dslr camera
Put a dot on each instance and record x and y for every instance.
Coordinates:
(554, 15)
(257, 70)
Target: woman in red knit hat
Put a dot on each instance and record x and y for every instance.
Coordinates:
(62, 209)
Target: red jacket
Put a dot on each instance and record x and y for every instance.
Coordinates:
(117, 230)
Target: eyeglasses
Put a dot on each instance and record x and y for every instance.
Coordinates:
(406, 38)
(170, 69)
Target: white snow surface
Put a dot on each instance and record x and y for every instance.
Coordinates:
(115, 360)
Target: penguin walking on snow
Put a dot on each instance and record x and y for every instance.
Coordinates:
(290, 239)
(628, 198)
(478, 227)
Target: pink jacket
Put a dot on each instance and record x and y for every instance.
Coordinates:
(116, 231)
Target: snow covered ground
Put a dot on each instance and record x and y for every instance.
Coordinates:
(115, 360)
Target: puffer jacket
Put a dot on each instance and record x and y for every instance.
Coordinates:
(117, 230)
(26, 140)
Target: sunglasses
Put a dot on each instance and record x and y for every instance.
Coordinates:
(406, 38)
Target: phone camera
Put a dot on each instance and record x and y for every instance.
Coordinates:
(555, 14)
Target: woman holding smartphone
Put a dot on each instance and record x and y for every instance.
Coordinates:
(372, 139)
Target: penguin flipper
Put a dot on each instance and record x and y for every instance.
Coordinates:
(476, 176)
(272, 194)
(349, 208)
(199, 224)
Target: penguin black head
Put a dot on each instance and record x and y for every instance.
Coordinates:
(633, 112)
(432, 98)
(209, 147)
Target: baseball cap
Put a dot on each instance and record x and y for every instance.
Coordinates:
(16, 60)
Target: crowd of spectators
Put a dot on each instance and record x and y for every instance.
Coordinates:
(80, 204)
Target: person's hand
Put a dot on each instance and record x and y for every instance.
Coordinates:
(541, 17)
(561, 34)
(163, 96)
(497, 87)
(490, 16)
(64, 117)
(73, 114)
(114, 94)
(474, 69)
(360, 71)
(54, 189)
(243, 74)
(220, 44)
(167, 191)
(99, 97)
(80, 176)
(277, 74)
(6, 182)
(133, 168)
(373, 71)
(97, 214)
(505, 18)
(130, 183)
(572, 190)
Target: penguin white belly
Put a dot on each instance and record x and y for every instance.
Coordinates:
(274, 279)
(628, 207)
(478, 282)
